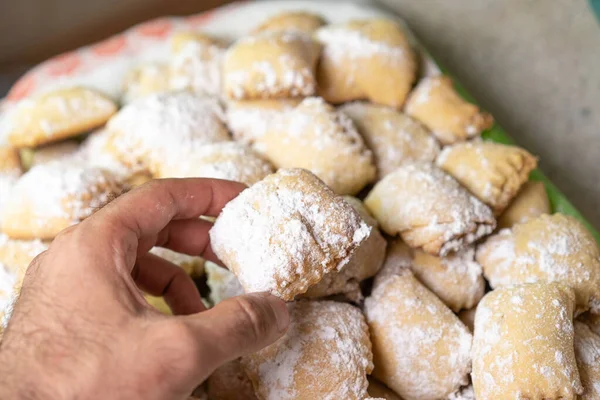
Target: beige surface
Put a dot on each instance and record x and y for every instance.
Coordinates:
(535, 65)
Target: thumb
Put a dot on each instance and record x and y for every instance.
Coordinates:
(239, 326)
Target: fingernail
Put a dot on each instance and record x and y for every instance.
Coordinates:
(280, 309)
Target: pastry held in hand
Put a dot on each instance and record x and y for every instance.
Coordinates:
(429, 209)
(523, 344)
(450, 118)
(531, 201)
(55, 196)
(325, 354)
(394, 138)
(549, 248)
(493, 172)
(587, 355)
(421, 350)
(56, 115)
(230, 382)
(271, 65)
(367, 59)
(283, 234)
(295, 21)
(144, 80)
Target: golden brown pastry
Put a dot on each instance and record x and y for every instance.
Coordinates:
(523, 344)
(549, 248)
(450, 118)
(55, 152)
(222, 282)
(493, 172)
(227, 160)
(364, 263)
(56, 115)
(196, 63)
(421, 350)
(322, 140)
(230, 382)
(394, 138)
(271, 65)
(587, 354)
(160, 128)
(17, 255)
(429, 209)
(10, 171)
(193, 265)
(54, 196)
(296, 21)
(367, 59)
(531, 201)
(379, 390)
(283, 234)
(145, 79)
(465, 393)
(325, 338)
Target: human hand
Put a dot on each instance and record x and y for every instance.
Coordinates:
(81, 329)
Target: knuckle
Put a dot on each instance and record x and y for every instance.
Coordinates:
(254, 317)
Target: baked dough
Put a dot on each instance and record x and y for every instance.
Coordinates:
(364, 263)
(63, 151)
(394, 138)
(54, 196)
(587, 354)
(271, 65)
(145, 79)
(230, 382)
(10, 171)
(493, 172)
(196, 63)
(193, 265)
(531, 201)
(297, 21)
(468, 317)
(465, 393)
(450, 118)
(523, 344)
(283, 234)
(16, 255)
(547, 248)
(7, 281)
(164, 128)
(56, 115)
(429, 209)
(227, 160)
(421, 350)
(322, 140)
(380, 391)
(223, 283)
(158, 303)
(367, 59)
(325, 354)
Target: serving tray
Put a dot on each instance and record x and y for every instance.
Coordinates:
(103, 65)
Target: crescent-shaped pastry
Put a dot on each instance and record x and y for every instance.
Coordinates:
(531, 201)
(296, 21)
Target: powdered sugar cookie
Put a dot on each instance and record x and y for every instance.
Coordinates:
(196, 63)
(54, 196)
(7, 281)
(222, 282)
(421, 350)
(230, 382)
(145, 79)
(227, 160)
(194, 266)
(324, 337)
(56, 115)
(531, 201)
(451, 119)
(380, 391)
(283, 234)
(54, 152)
(365, 59)
(364, 263)
(299, 21)
(271, 65)
(10, 171)
(493, 172)
(547, 248)
(394, 138)
(587, 355)
(465, 393)
(322, 140)
(523, 344)
(429, 209)
(17, 255)
(160, 128)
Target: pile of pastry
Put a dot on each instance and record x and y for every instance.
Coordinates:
(374, 208)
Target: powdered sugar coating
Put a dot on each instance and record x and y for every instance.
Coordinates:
(550, 248)
(429, 209)
(523, 344)
(7, 282)
(193, 265)
(465, 393)
(63, 151)
(325, 354)
(421, 349)
(223, 283)
(165, 127)
(197, 65)
(285, 232)
(587, 354)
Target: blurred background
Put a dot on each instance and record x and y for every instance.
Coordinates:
(534, 64)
